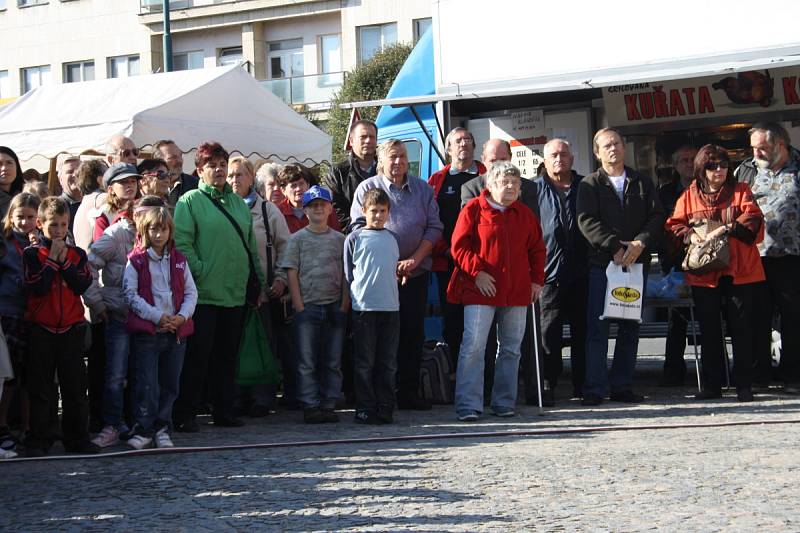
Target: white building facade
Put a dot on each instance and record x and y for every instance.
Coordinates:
(300, 48)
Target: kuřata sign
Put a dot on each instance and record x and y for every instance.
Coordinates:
(714, 96)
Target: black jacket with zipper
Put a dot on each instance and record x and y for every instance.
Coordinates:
(605, 221)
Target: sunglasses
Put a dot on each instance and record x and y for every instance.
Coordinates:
(162, 175)
(127, 153)
(717, 166)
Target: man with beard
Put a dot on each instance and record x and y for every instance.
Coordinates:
(772, 173)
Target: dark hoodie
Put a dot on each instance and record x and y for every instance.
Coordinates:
(16, 185)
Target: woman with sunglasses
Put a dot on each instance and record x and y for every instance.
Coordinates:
(716, 195)
(155, 178)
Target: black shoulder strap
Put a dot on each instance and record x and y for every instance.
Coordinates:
(219, 206)
(270, 267)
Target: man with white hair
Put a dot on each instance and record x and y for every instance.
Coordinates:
(67, 172)
(120, 149)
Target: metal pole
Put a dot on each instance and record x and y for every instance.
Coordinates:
(536, 358)
(167, 39)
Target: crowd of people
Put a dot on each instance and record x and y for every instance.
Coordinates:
(150, 274)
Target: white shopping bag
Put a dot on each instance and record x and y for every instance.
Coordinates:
(624, 290)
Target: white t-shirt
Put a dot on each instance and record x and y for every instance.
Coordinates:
(619, 184)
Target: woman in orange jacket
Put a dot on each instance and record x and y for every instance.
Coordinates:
(715, 195)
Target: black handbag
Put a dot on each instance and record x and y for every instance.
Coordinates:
(253, 284)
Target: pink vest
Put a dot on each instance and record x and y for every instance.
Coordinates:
(177, 266)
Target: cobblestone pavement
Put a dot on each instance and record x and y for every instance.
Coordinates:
(735, 478)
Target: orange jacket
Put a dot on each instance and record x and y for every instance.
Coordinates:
(745, 265)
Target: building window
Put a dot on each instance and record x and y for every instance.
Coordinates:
(123, 66)
(33, 77)
(285, 58)
(78, 71)
(373, 39)
(230, 56)
(27, 3)
(420, 27)
(330, 53)
(5, 88)
(187, 60)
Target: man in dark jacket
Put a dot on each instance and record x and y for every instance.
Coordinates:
(773, 173)
(564, 294)
(621, 217)
(360, 164)
(179, 182)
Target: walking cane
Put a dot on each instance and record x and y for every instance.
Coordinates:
(536, 358)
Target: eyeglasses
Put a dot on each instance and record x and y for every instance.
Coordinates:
(162, 175)
(717, 165)
(128, 152)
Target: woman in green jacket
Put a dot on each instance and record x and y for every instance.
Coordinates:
(218, 254)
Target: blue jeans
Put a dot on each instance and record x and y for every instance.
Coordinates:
(157, 362)
(469, 372)
(319, 336)
(117, 348)
(598, 379)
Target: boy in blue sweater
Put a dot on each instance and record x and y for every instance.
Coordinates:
(371, 255)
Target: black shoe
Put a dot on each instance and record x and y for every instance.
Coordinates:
(548, 399)
(259, 411)
(367, 417)
(413, 402)
(791, 388)
(187, 426)
(85, 447)
(626, 397)
(228, 422)
(671, 381)
(330, 416)
(35, 452)
(708, 394)
(591, 399)
(385, 414)
(288, 403)
(577, 392)
(313, 415)
(744, 394)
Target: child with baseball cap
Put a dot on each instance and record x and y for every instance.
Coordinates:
(313, 263)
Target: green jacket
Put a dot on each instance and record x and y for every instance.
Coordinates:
(216, 257)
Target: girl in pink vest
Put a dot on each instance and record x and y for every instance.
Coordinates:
(161, 294)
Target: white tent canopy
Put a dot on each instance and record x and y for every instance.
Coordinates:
(220, 104)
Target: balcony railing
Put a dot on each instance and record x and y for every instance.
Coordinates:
(155, 6)
(311, 89)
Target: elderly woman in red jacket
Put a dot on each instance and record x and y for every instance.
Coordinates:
(716, 195)
(499, 255)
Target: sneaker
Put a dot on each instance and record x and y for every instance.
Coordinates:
(86, 447)
(503, 412)
(367, 417)
(7, 441)
(467, 416)
(108, 436)
(7, 454)
(139, 442)
(313, 415)
(162, 439)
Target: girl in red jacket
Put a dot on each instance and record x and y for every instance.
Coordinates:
(499, 255)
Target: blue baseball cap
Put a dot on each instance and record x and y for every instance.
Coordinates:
(316, 193)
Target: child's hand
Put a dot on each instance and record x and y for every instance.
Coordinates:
(177, 321)
(33, 237)
(56, 249)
